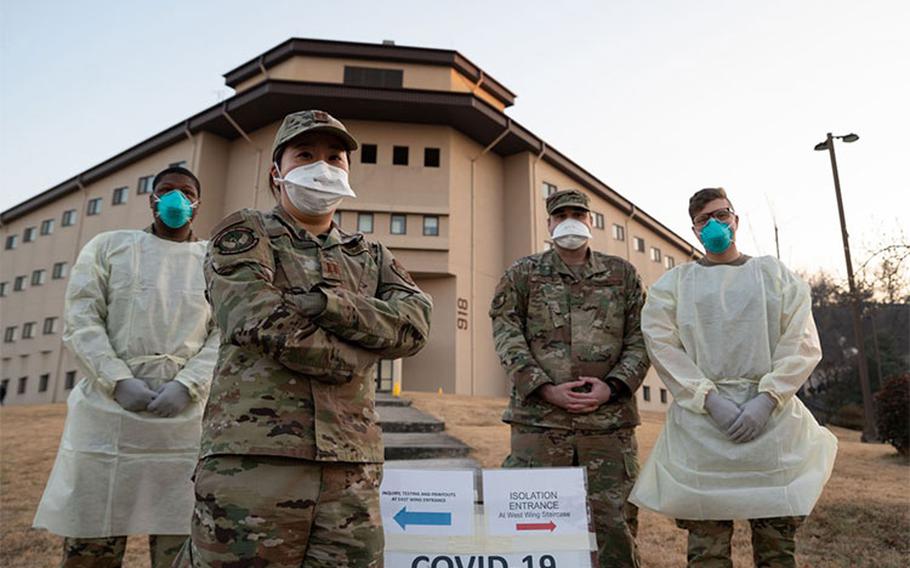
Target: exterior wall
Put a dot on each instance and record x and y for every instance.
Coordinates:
(435, 366)
(331, 70)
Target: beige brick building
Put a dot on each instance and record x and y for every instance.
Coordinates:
(444, 178)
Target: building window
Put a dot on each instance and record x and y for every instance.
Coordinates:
(669, 262)
(28, 330)
(655, 254)
(180, 164)
(368, 153)
(19, 284)
(365, 222)
(12, 241)
(399, 224)
(145, 185)
(50, 326)
(9, 334)
(336, 218)
(42, 382)
(373, 77)
(59, 271)
(646, 393)
(23, 382)
(385, 375)
(70, 380)
(663, 396)
(548, 189)
(94, 206)
(638, 243)
(598, 220)
(431, 157)
(619, 232)
(69, 218)
(120, 195)
(3, 288)
(38, 277)
(430, 226)
(30, 234)
(5, 384)
(47, 226)
(400, 155)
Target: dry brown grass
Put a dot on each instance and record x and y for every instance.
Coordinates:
(862, 520)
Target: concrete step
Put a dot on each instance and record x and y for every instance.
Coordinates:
(413, 446)
(407, 419)
(386, 399)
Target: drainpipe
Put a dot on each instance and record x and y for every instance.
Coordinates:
(192, 139)
(631, 216)
(78, 247)
(535, 198)
(473, 245)
(261, 63)
(253, 144)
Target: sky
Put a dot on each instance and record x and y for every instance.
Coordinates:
(656, 98)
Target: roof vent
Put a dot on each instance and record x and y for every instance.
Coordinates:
(388, 42)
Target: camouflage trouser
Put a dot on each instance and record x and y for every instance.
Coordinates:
(107, 552)
(773, 542)
(611, 461)
(271, 511)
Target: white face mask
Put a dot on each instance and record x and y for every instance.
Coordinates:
(571, 234)
(317, 188)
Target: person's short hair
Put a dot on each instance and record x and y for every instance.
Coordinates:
(704, 196)
(177, 170)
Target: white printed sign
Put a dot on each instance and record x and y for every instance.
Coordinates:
(562, 559)
(535, 501)
(427, 502)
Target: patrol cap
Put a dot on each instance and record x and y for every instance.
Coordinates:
(297, 123)
(567, 198)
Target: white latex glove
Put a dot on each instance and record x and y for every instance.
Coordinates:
(753, 419)
(722, 410)
(133, 394)
(172, 398)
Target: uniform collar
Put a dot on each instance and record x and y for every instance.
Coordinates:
(592, 266)
(334, 237)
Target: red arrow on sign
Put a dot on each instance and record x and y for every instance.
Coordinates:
(551, 526)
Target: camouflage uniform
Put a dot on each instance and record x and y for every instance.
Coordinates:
(773, 542)
(291, 447)
(107, 552)
(550, 327)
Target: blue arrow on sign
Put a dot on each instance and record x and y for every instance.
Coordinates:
(405, 518)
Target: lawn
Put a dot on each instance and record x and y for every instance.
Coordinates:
(863, 518)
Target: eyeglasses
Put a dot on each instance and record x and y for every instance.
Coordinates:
(724, 215)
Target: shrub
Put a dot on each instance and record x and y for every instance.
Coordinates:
(893, 413)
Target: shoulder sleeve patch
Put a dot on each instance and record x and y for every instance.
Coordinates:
(235, 240)
(402, 273)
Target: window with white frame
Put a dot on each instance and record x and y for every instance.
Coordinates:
(50, 326)
(59, 271)
(120, 196)
(365, 223)
(47, 226)
(655, 254)
(598, 220)
(619, 232)
(29, 234)
(638, 243)
(9, 334)
(43, 380)
(430, 226)
(19, 284)
(28, 330)
(669, 262)
(38, 277)
(145, 185)
(548, 189)
(646, 393)
(93, 207)
(69, 218)
(398, 224)
(11, 242)
(4, 286)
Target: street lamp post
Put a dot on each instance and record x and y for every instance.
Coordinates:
(870, 432)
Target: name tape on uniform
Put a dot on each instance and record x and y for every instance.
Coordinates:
(535, 501)
(427, 502)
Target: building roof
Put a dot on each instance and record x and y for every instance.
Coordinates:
(272, 99)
